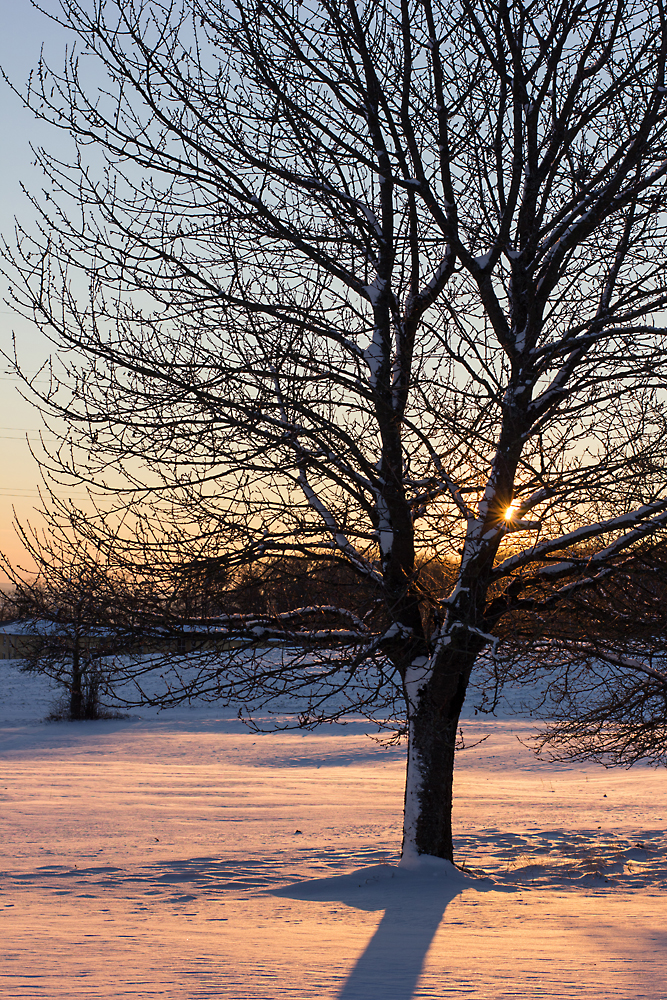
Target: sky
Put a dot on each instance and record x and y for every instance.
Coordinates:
(24, 32)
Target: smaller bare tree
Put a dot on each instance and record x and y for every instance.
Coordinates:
(73, 618)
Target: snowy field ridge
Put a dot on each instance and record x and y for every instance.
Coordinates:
(177, 855)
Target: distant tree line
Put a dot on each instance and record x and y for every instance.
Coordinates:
(594, 661)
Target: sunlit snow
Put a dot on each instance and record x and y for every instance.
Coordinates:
(177, 855)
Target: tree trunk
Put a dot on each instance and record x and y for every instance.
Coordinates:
(427, 825)
(76, 691)
(434, 704)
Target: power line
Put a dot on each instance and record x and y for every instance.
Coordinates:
(28, 381)
(32, 494)
(25, 430)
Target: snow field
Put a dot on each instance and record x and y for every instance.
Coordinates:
(157, 856)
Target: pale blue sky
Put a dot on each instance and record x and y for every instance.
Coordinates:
(23, 32)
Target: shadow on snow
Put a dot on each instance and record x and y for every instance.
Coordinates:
(414, 903)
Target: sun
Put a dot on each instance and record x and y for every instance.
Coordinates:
(511, 511)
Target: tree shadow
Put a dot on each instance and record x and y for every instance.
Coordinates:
(414, 903)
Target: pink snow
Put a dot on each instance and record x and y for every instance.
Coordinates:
(176, 855)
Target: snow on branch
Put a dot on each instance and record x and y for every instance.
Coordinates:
(340, 539)
(253, 620)
(642, 520)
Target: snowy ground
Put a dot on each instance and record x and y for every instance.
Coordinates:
(178, 856)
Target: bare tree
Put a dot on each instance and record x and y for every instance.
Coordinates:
(374, 282)
(71, 618)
